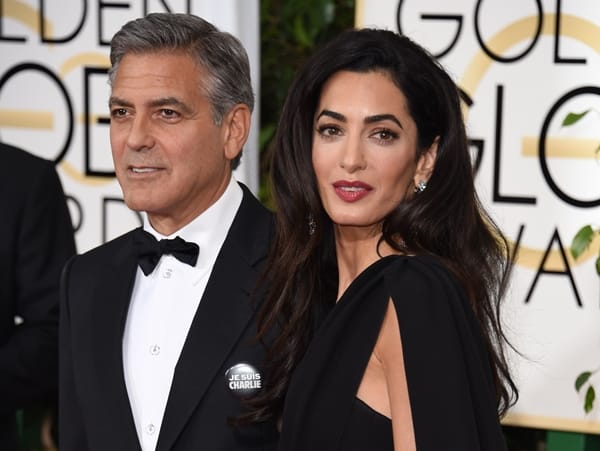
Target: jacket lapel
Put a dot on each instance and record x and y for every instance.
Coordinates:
(112, 296)
(225, 311)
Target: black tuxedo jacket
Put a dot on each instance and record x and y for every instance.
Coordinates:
(37, 240)
(94, 410)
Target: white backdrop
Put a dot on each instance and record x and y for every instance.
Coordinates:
(540, 180)
(54, 94)
(524, 65)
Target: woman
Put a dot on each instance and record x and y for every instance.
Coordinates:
(386, 274)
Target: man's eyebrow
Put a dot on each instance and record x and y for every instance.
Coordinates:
(155, 103)
(112, 101)
(170, 101)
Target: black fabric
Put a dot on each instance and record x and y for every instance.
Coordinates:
(367, 429)
(149, 250)
(8, 432)
(94, 409)
(449, 377)
(37, 240)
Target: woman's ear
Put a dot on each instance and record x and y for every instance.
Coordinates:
(236, 127)
(426, 164)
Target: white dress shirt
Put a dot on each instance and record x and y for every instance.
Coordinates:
(163, 305)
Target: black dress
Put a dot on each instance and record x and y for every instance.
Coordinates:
(447, 365)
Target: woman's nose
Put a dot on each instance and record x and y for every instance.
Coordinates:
(353, 156)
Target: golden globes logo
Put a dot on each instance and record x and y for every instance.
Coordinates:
(522, 115)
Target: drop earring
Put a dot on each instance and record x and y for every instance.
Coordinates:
(312, 224)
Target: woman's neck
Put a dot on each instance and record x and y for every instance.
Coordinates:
(356, 249)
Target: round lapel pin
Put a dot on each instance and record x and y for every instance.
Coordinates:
(243, 380)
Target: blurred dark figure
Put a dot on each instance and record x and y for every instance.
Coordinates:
(37, 240)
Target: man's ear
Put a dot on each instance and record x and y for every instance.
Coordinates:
(426, 163)
(236, 125)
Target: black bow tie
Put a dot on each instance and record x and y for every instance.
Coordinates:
(149, 250)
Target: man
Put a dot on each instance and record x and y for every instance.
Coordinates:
(158, 353)
(37, 240)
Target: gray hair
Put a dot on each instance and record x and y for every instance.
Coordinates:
(222, 55)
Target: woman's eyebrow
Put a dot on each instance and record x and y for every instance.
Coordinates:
(382, 117)
(332, 114)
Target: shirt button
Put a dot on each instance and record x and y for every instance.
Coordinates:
(168, 273)
(154, 350)
(150, 429)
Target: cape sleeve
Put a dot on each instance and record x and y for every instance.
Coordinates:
(447, 365)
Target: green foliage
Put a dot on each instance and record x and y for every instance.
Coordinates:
(290, 32)
(584, 237)
(590, 393)
(581, 242)
(590, 396)
(582, 379)
(586, 234)
(572, 118)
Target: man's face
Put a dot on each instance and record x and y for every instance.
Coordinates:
(170, 158)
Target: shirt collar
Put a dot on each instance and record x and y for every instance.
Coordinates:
(210, 228)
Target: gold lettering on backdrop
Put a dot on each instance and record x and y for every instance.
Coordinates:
(571, 26)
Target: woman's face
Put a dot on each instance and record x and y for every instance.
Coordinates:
(364, 148)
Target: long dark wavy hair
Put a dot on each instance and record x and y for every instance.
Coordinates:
(446, 220)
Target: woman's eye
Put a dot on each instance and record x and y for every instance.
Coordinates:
(385, 135)
(329, 130)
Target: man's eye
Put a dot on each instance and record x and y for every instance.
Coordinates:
(118, 112)
(166, 112)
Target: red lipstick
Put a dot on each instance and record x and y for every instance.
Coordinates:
(351, 191)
